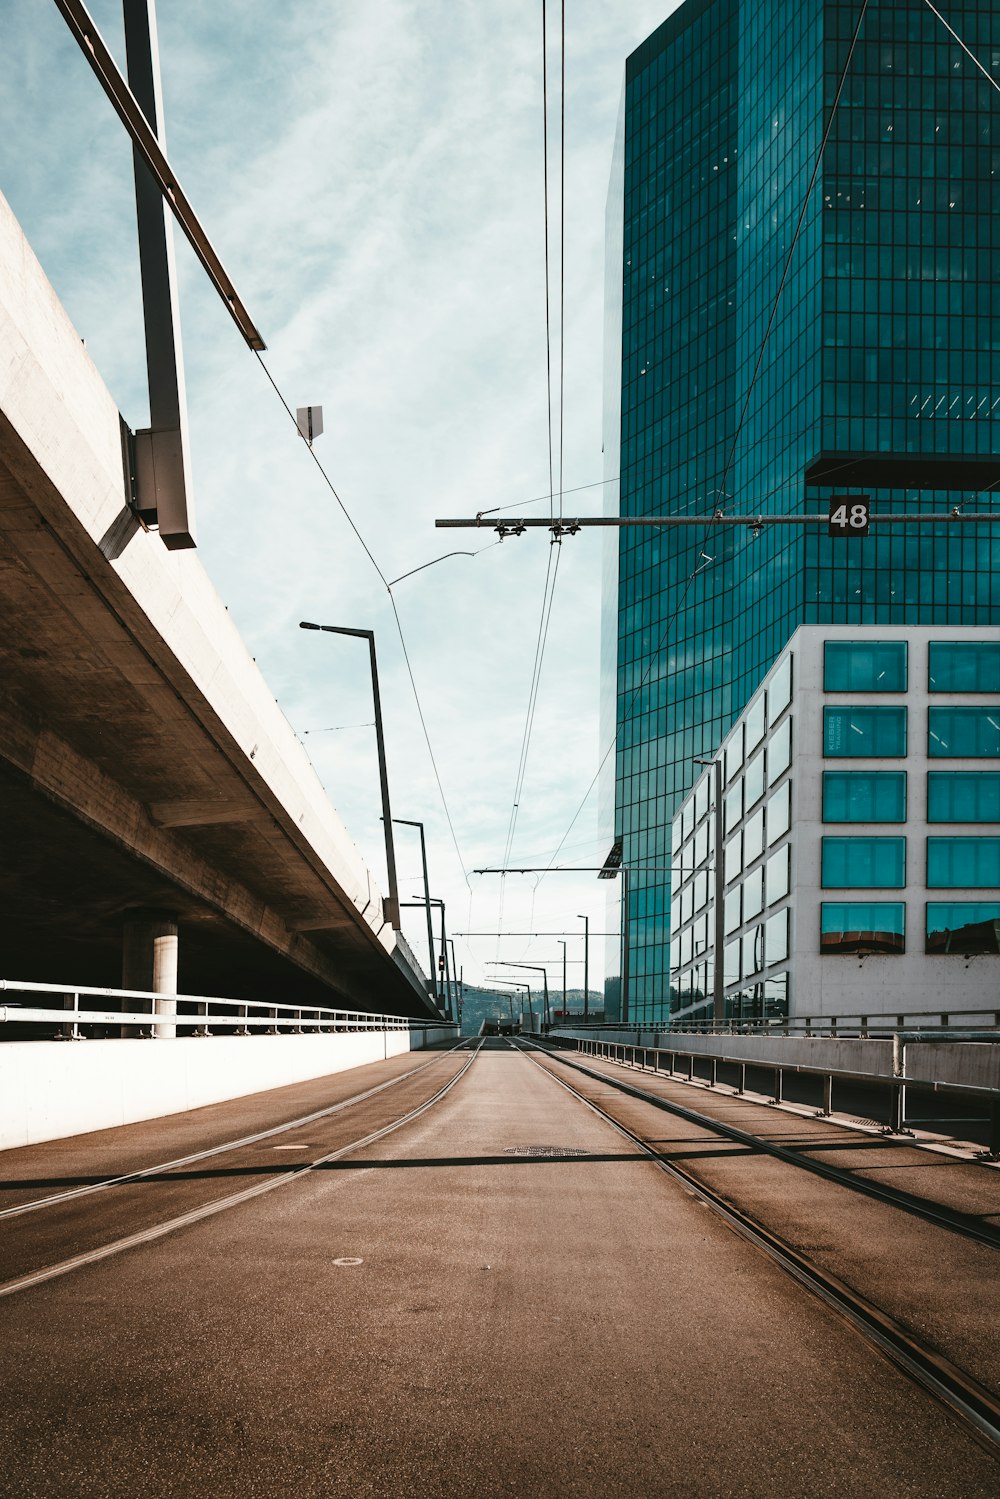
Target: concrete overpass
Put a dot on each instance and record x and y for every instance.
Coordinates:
(147, 777)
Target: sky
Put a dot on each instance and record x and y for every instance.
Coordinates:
(371, 175)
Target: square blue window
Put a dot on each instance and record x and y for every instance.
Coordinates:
(864, 665)
(864, 863)
(864, 796)
(963, 927)
(963, 666)
(855, 733)
(963, 733)
(851, 926)
(963, 796)
(963, 863)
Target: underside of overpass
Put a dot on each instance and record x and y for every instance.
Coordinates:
(144, 764)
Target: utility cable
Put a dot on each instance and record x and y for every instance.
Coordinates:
(388, 588)
(986, 74)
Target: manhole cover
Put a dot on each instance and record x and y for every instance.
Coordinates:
(547, 1150)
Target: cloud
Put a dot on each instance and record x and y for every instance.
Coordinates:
(372, 178)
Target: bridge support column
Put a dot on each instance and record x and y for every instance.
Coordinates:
(149, 961)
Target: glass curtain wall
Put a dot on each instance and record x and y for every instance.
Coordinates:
(879, 375)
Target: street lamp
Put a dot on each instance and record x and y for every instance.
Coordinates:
(718, 975)
(408, 823)
(390, 905)
(517, 984)
(535, 968)
(443, 955)
(586, 965)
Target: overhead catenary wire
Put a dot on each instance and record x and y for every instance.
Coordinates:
(654, 654)
(552, 569)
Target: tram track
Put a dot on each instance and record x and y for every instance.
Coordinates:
(952, 1220)
(161, 1228)
(965, 1397)
(57, 1199)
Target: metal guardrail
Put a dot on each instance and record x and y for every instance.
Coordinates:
(159, 1015)
(925, 1023)
(648, 1059)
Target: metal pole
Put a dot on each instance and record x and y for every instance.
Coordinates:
(624, 1003)
(548, 1012)
(564, 1002)
(719, 986)
(449, 1008)
(407, 822)
(586, 965)
(391, 906)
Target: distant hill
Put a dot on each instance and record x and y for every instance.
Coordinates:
(488, 1004)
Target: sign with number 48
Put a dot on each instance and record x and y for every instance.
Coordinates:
(849, 515)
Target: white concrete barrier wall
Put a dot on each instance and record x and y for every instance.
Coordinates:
(52, 1089)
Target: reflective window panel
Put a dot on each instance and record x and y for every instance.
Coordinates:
(779, 812)
(963, 796)
(864, 666)
(753, 893)
(963, 733)
(779, 691)
(733, 858)
(733, 910)
(776, 937)
(753, 837)
(963, 863)
(779, 752)
(878, 733)
(753, 781)
(864, 796)
(864, 863)
(733, 806)
(777, 876)
(755, 723)
(963, 927)
(734, 754)
(874, 926)
(963, 666)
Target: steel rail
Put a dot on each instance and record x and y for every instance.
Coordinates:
(976, 1406)
(162, 1167)
(954, 1222)
(221, 1205)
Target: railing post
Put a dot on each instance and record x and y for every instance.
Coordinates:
(743, 1079)
(70, 1031)
(713, 1071)
(690, 1076)
(993, 1153)
(827, 1108)
(779, 1085)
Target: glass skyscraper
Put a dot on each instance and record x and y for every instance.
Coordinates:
(875, 372)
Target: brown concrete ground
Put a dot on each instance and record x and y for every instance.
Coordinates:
(456, 1311)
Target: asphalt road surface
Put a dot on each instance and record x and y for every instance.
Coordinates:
(500, 1297)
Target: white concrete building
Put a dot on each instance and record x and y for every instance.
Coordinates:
(860, 830)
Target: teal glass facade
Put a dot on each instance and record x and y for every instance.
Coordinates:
(879, 375)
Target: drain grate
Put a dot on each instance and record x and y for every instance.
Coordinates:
(546, 1150)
